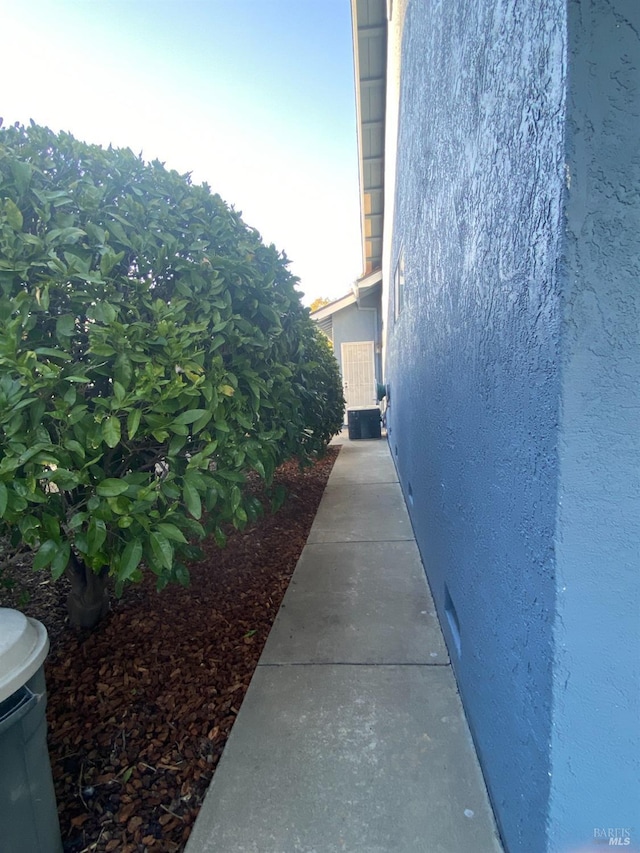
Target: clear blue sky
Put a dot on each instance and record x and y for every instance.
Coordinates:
(255, 97)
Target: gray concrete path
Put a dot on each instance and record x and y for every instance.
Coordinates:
(352, 737)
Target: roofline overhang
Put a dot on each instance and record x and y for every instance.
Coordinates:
(369, 32)
(333, 307)
(362, 287)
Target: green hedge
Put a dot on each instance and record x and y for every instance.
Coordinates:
(152, 351)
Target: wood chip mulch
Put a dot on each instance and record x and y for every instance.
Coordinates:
(139, 711)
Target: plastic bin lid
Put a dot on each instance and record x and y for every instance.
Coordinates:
(23, 647)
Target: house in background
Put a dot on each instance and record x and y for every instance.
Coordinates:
(499, 175)
(354, 326)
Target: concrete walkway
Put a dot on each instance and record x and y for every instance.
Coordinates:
(351, 736)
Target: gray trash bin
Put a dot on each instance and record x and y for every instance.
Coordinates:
(28, 812)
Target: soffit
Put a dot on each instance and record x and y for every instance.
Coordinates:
(369, 19)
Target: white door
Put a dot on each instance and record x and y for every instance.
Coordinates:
(358, 373)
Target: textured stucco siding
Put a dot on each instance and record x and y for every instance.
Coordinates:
(473, 363)
(596, 732)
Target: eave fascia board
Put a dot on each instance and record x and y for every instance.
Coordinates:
(333, 307)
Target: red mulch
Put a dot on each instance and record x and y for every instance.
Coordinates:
(140, 710)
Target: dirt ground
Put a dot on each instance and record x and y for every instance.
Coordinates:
(140, 710)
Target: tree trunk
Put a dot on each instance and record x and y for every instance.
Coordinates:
(88, 601)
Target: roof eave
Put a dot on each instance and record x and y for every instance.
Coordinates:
(369, 29)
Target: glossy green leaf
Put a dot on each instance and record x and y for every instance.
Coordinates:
(123, 371)
(77, 520)
(13, 214)
(111, 488)
(182, 574)
(65, 326)
(119, 505)
(170, 531)
(53, 353)
(96, 535)
(192, 500)
(201, 423)
(111, 431)
(130, 559)
(176, 444)
(133, 422)
(64, 479)
(74, 447)
(161, 548)
(60, 560)
(45, 554)
(190, 416)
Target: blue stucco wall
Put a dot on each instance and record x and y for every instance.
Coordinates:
(596, 732)
(473, 363)
(514, 369)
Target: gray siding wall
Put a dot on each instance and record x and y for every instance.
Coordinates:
(357, 324)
